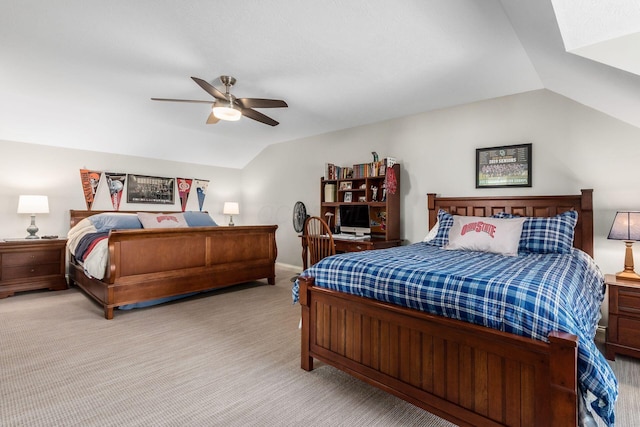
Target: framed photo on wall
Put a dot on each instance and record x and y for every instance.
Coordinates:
(150, 189)
(506, 166)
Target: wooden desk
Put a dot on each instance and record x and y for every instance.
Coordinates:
(351, 246)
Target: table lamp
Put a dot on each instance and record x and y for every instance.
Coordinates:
(231, 209)
(626, 226)
(33, 205)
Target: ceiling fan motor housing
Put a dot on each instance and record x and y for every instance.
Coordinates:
(228, 81)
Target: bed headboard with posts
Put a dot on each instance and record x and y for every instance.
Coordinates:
(538, 206)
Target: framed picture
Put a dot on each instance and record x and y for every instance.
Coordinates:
(150, 189)
(345, 185)
(506, 166)
(348, 197)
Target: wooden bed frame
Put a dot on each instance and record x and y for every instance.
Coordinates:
(156, 263)
(468, 374)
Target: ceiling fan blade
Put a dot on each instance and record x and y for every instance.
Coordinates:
(210, 89)
(181, 100)
(261, 103)
(212, 120)
(253, 114)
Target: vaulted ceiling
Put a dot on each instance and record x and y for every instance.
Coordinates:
(80, 74)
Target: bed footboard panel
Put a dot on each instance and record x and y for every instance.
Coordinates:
(149, 264)
(468, 374)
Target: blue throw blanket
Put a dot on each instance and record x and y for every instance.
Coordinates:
(528, 295)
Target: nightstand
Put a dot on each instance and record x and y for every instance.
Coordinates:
(623, 332)
(32, 264)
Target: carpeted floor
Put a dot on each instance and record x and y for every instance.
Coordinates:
(227, 358)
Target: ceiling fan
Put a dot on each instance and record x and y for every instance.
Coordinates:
(228, 107)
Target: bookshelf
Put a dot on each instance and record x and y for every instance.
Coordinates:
(365, 185)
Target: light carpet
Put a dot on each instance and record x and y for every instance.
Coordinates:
(226, 358)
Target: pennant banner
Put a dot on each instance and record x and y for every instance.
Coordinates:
(116, 185)
(201, 189)
(184, 186)
(90, 181)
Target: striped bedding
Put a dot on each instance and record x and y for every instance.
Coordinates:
(528, 295)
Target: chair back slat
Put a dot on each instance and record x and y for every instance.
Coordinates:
(319, 239)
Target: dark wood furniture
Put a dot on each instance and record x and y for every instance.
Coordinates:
(468, 374)
(27, 265)
(319, 239)
(387, 211)
(623, 332)
(156, 263)
(350, 246)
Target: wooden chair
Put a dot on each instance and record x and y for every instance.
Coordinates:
(319, 239)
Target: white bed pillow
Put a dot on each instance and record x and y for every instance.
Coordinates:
(432, 233)
(162, 220)
(475, 233)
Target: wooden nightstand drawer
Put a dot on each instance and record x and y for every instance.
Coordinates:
(629, 301)
(629, 332)
(30, 258)
(623, 332)
(27, 271)
(27, 265)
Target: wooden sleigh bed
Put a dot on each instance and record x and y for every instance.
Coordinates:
(149, 264)
(468, 374)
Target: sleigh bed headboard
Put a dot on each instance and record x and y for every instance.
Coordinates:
(78, 215)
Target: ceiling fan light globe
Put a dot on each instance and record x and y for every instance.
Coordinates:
(226, 113)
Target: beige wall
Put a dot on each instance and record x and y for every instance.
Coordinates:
(55, 172)
(574, 147)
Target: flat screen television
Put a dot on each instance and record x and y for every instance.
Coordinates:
(355, 219)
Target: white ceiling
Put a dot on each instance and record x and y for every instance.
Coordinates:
(80, 73)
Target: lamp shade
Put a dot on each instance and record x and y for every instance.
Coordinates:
(626, 226)
(231, 208)
(33, 204)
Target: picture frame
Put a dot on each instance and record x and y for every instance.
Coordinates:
(504, 166)
(348, 197)
(346, 185)
(150, 189)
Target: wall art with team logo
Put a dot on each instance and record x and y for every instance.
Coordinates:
(150, 189)
(506, 166)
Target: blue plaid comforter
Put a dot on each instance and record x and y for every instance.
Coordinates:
(529, 295)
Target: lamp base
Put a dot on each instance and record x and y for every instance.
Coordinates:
(628, 275)
(32, 229)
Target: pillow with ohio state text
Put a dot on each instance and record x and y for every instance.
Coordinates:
(162, 220)
(476, 233)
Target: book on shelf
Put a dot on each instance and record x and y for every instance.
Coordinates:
(360, 170)
(332, 171)
(373, 169)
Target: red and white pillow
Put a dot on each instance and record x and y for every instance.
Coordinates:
(162, 220)
(475, 233)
